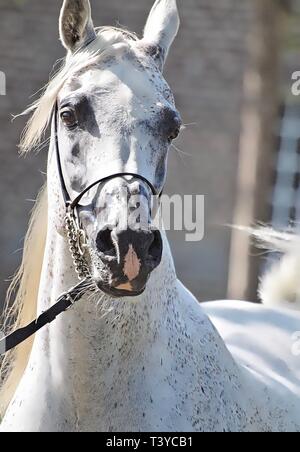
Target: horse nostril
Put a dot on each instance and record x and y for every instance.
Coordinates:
(104, 242)
(155, 248)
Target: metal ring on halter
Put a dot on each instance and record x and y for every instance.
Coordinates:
(70, 299)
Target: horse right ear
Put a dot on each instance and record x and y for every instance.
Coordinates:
(75, 24)
(161, 28)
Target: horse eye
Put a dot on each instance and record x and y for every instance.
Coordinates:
(68, 117)
(175, 134)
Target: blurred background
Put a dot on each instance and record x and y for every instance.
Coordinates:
(231, 71)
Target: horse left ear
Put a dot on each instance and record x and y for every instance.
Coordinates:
(75, 24)
(162, 27)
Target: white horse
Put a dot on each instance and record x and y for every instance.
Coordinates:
(153, 361)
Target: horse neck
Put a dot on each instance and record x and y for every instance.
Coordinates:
(104, 351)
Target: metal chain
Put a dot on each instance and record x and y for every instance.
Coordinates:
(77, 242)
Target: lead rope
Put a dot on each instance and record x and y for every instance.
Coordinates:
(64, 302)
(77, 244)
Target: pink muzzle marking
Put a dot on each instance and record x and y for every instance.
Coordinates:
(132, 264)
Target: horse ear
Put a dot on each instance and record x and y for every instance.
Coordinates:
(162, 27)
(75, 24)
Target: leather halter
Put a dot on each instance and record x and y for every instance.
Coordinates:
(66, 300)
(76, 202)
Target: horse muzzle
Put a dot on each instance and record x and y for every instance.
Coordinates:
(127, 260)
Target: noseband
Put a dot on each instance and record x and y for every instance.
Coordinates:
(77, 243)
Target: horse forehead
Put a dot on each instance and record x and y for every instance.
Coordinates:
(124, 76)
